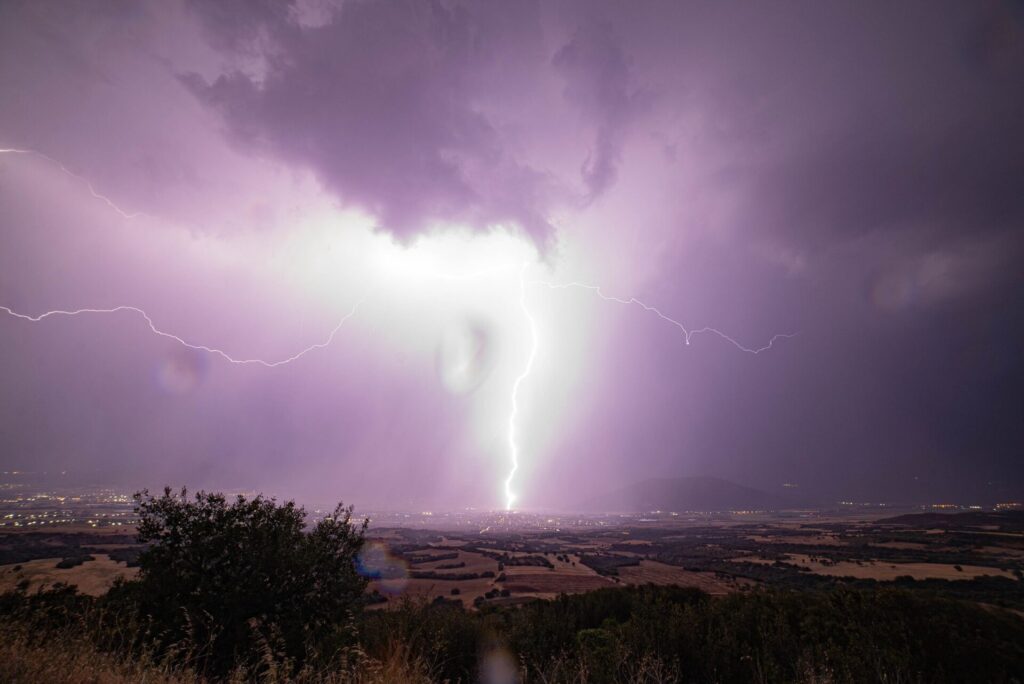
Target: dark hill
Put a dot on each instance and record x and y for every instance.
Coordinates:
(1004, 521)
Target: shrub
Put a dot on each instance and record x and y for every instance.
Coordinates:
(244, 578)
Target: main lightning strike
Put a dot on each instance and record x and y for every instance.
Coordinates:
(687, 334)
(513, 445)
(199, 347)
(103, 198)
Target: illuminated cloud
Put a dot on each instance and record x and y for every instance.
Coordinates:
(845, 171)
(388, 103)
(597, 81)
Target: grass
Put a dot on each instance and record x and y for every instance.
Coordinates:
(73, 659)
(635, 635)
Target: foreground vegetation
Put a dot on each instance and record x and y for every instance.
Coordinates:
(243, 591)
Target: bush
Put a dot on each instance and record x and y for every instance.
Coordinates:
(444, 637)
(242, 591)
(635, 634)
(243, 579)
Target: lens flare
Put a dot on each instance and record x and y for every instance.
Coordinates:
(465, 355)
(182, 371)
(378, 564)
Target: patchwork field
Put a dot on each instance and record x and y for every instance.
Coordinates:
(979, 557)
(878, 570)
(653, 572)
(92, 577)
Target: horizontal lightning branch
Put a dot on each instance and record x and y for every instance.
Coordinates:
(199, 347)
(513, 437)
(687, 333)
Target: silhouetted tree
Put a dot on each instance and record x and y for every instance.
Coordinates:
(234, 579)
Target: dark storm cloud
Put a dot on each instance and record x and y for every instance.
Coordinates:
(851, 171)
(598, 80)
(953, 165)
(875, 157)
(381, 100)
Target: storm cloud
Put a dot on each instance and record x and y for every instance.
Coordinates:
(852, 173)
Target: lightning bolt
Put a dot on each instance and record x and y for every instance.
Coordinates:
(687, 333)
(513, 445)
(145, 316)
(103, 198)
(199, 347)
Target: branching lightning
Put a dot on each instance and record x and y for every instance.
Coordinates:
(199, 347)
(103, 198)
(136, 310)
(687, 333)
(513, 444)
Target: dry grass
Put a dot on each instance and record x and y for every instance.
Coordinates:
(527, 581)
(654, 572)
(550, 584)
(884, 571)
(75, 662)
(72, 660)
(566, 578)
(431, 588)
(524, 581)
(806, 540)
(575, 670)
(92, 577)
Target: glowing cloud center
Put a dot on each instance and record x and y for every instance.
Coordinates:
(442, 260)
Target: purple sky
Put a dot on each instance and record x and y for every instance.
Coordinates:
(249, 172)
